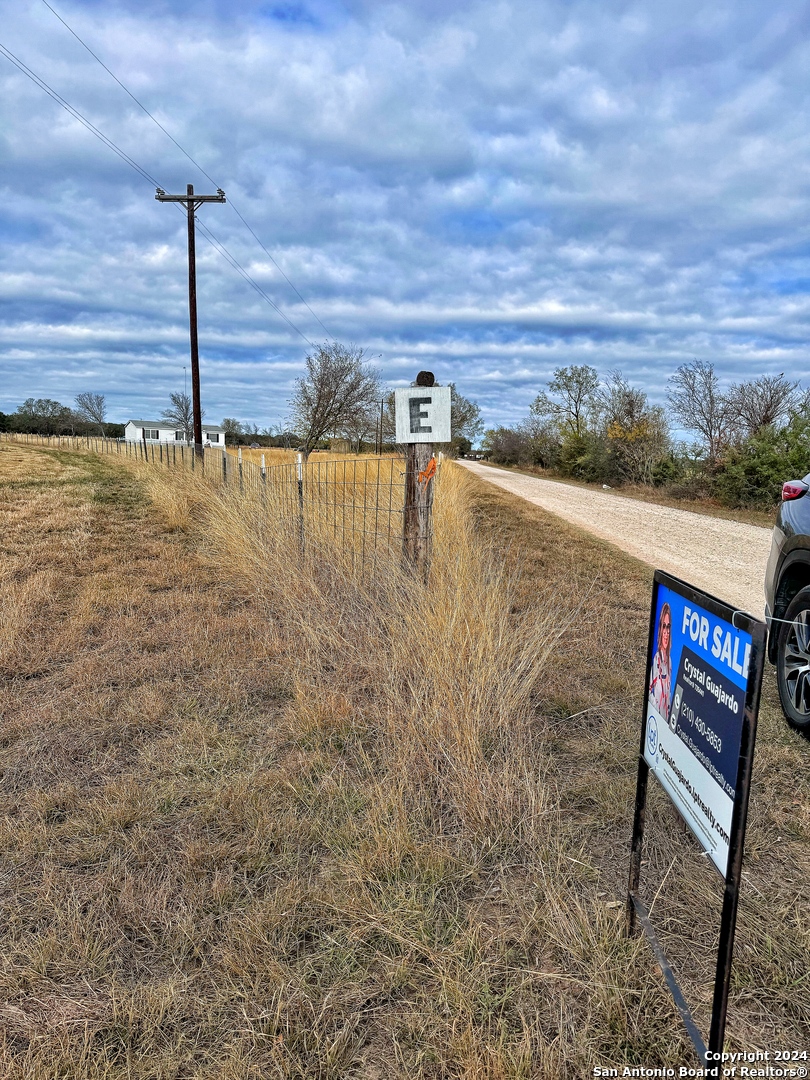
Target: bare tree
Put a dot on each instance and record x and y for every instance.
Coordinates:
(338, 389)
(362, 427)
(763, 402)
(505, 446)
(181, 413)
(697, 401)
(93, 408)
(543, 442)
(619, 402)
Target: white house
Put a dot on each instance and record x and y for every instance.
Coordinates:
(159, 431)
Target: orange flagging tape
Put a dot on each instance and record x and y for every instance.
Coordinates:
(428, 473)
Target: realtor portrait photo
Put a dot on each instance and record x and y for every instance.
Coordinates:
(661, 676)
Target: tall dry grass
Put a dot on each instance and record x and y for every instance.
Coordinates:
(420, 696)
(442, 671)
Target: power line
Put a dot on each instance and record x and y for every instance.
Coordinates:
(270, 257)
(223, 251)
(127, 91)
(75, 113)
(190, 158)
(108, 142)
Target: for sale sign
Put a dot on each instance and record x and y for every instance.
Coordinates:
(698, 681)
(701, 696)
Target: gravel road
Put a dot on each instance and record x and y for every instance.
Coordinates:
(725, 558)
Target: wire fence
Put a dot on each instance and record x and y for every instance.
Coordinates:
(354, 504)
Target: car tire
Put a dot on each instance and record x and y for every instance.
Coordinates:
(793, 662)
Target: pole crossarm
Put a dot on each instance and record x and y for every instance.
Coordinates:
(195, 200)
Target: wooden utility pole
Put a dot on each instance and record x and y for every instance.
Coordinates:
(192, 203)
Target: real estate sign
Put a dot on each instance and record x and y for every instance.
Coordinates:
(698, 675)
(701, 697)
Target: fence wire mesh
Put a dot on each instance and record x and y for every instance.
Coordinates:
(355, 505)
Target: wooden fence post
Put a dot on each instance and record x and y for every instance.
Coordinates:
(422, 419)
(299, 474)
(418, 506)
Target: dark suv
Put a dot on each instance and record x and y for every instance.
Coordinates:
(787, 603)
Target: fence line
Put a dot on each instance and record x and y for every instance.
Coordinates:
(356, 505)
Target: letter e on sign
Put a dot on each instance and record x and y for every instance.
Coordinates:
(423, 414)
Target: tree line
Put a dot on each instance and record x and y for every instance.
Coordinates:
(44, 416)
(340, 395)
(746, 440)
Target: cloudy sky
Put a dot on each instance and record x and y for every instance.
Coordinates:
(489, 190)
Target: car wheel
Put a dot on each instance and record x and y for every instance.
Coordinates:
(793, 662)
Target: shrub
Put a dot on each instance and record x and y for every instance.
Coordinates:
(753, 474)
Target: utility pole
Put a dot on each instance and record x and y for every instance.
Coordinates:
(192, 203)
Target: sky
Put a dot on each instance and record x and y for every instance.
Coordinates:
(486, 190)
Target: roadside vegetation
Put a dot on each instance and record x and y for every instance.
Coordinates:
(747, 440)
(273, 814)
(708, 505)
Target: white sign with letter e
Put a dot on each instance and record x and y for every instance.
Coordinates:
(423, 414)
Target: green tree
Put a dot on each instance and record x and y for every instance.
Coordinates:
(233, 429)
(465, 421)
(43, 415)
(571, 399)
(753, 474)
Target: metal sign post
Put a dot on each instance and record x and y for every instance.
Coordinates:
(422, 418)
(704, 674)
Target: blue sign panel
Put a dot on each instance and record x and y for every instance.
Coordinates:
(696, 691)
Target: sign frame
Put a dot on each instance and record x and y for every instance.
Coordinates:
(636, 909)
(417, 425)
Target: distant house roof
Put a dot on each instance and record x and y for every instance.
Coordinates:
(170, 425)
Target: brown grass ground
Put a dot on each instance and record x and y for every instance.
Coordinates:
(255, 825)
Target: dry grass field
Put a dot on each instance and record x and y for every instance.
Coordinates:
(264, 816)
